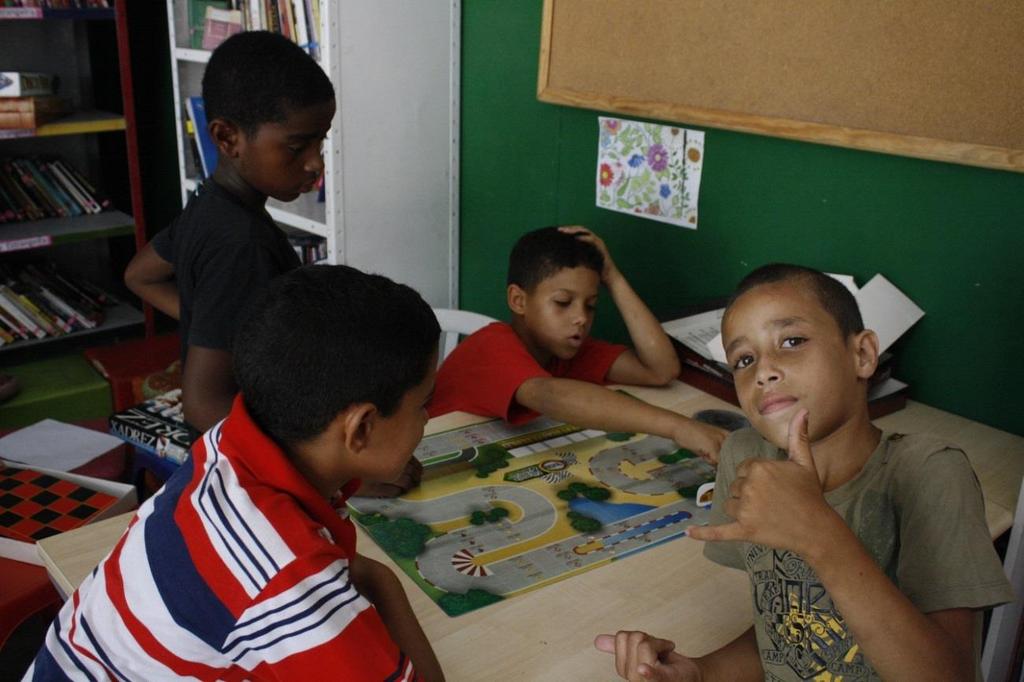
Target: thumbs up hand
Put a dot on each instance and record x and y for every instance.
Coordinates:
(775, 503)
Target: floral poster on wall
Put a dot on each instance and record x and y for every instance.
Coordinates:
(649, 170)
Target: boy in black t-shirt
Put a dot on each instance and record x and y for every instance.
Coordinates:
(269, 107)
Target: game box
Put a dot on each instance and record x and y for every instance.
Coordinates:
(36, 503)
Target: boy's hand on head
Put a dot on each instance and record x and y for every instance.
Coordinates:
(585, 235)
(701, 438)
(776, 503)
(639, 657)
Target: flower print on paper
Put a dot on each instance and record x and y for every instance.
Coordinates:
(649, 170)
(657, 157)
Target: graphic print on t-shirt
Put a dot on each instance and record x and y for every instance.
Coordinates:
(799, 630)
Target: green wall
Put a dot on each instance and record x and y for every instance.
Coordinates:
(951, 237)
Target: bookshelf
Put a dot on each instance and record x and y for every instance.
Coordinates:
(391, 160)
(87, 49)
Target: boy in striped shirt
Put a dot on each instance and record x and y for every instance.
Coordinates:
(244, 566)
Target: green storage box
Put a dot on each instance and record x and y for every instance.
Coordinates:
(65, 388)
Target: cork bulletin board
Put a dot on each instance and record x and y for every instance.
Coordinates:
(935, 79)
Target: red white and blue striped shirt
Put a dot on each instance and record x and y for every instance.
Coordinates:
(236, 569)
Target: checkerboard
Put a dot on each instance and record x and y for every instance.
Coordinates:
(34, 505)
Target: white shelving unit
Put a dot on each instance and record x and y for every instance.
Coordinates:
(391, 158)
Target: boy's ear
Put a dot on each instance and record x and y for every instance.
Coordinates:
(865, 347)
(226, 135)
(516, 299)
(358, 422)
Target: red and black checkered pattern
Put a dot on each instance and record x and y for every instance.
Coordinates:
(35, 505)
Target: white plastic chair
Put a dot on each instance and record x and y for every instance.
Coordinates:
(455, 324)
(999, 652)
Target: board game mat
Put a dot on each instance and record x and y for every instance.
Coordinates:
(503, 510)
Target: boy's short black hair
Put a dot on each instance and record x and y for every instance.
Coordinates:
(542, 253)
(836, 299)
(321, 338)
(257, 77)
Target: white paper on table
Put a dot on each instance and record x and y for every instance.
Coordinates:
(846, 280)
(717, 349)
(887, 387)
(886, 310)
(696, 331)
(51, 444)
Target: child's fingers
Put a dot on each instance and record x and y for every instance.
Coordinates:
(720, 533)
(574, 229)
(635, 649)
(799, 442)
(605, 643)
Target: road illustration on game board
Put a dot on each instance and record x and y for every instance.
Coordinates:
(504, 510)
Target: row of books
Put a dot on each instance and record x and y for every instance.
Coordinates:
(213, 21)
(38, 300)
(309, 248)
(204, 151)
(36, 188)
(58, 4)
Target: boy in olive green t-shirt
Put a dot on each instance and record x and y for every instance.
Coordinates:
(868, 553)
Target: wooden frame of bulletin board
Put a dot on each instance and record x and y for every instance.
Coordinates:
(934, 79)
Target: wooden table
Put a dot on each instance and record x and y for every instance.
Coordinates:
(670, 590)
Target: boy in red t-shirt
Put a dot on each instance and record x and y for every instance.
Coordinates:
(544, 361)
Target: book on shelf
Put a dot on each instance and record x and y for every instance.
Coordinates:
(31, 112)
(23, 83)
(273, 16)
(37, 301)
(74, 178)
(196, 110)
(287, 27)
(36, 188)
(14, 197)
(301, 23)
(219, 25)
(156, 425)
(57, 4)
(197, 19)
(193, 145)
(34, 185)
(310, 248)
(213, 21)
(254, 15)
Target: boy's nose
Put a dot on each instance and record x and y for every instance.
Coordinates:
(767, 373)
(315, 163)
